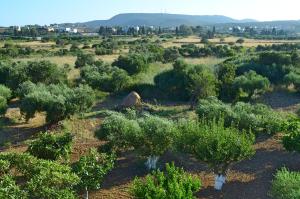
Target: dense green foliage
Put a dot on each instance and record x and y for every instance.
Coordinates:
(41, 178)
(104, 77)
(286, 185)
(133, 63)
(291, 140)
(5, 95)
(12, 75)
(250, 84)
(214, 144)
(92, 168)
(58, 101)
(245, 116)
(84, 59)
(173, 183)
(187, 82)
(51, 147)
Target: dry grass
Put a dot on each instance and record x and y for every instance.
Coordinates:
(209, 61)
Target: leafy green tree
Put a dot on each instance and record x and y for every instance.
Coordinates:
(286, 185)
(250, 84)
(292, 79)
(10, 190)
(119, 132)
(104, 77)
(173, 183)
(133, 63)
(157, 136)
(202, 84)
(5, 95)
(45, 72)
(5, 92)
(171, 54)
(217, 146)
(226, 73)
(291, 139)
(3, 105)
(58, 101)
(91, 170)
(51, 147)
(84, 59)
(42, 178)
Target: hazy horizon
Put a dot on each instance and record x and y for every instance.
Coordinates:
(19, 12)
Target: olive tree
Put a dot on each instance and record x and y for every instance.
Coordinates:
(217, 146)
(157, 136)
(250, 84)
(91, 169)
(149, 136)
(84, 59)
(133, 63)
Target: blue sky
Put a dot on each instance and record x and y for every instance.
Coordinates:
(21, 12)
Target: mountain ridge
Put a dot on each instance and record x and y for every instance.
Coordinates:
(163, 20)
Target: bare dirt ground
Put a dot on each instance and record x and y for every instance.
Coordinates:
(250, 179)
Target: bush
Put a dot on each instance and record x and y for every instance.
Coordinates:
(92, 168)
(150, 136)
(157, 136)
(5, 92)
(291, 140)
(186, 82)
(42, 178)
(244, 116)
(51, 147)
(132, 63)
(13, 75)
(84, 59)
(119, 131)
(286, 185)
(9, 189)
(104, 77)
(58, 101)
(250, 84)
(3, 105)
(173, 183)
(217, 146)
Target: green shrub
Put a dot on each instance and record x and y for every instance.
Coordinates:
(242, 115)
(42, 178)
(217, 146)
(133, 63)
(58, 101)
(51, 147)
(84, 59)
(5, 92)
(173, 183)
(119, 131)
(10, 190)
(286, 185)
(3, 105)
(250, 84)
(92, 168)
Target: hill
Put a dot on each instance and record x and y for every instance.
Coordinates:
(163, 20)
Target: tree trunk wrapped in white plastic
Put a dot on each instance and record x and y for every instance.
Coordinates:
(219, 181)
(151, 162)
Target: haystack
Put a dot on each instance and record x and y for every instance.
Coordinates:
(132, 100)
